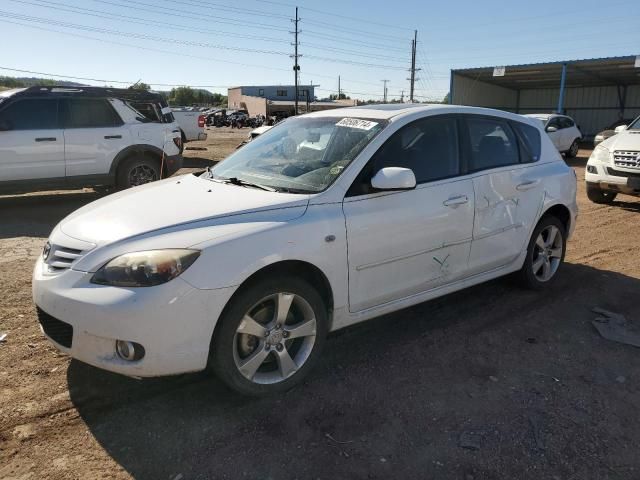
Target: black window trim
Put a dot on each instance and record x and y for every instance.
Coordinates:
(522, 143)
(119, 123)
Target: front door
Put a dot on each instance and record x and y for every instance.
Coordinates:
(31, 141)
(407, 242)
(555, 136)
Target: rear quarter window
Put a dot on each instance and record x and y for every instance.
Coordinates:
(530, 142)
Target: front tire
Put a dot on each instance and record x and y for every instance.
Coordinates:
(596, 195)
(270, 336)
(545, 254)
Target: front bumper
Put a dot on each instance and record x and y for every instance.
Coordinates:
(172, 163)
(623, 180)
(174, 322)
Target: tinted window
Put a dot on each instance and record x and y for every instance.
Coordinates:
(530, 142)
(566, 122)
(429, 147)
(31, 114)
(493, 144)
(90, 113)
(554, 122)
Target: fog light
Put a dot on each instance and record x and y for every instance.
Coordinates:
(591, 169)
(129, 351)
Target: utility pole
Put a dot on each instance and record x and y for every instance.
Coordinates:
(338, 88)
(414, 44)
(296, 67)
(385, 90)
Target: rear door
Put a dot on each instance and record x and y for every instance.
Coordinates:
(402, 243)
(31, 141)
(508, 190)
(94, 134)
(569, 132)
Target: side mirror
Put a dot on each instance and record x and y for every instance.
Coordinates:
(621, 128)
(394, 178)
(551, 129)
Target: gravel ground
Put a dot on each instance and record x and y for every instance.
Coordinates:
(490, 383)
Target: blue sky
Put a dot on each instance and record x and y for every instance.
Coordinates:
(218, 44)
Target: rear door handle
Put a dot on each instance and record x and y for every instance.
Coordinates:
(527, 185)
(112, 137)
(455, 201)
(46, 139)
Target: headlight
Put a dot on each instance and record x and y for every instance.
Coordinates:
(599, 138)
(600, 154)
(145, 269)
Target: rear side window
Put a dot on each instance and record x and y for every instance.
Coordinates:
(493, 144)
(429, 147)
(31, 114)
(529, 141)
(90, 113)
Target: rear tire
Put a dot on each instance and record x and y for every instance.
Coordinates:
(596, 195)
(573, 149)
(269, 336)
(545, 254)
(137, 170)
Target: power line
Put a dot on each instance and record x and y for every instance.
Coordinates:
(225, 7)
(142, 21)
(338, 28)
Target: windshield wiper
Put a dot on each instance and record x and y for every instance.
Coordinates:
(242, 183)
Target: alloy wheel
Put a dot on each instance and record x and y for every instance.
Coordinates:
(142, 174)
(547, 253)
(274, 338)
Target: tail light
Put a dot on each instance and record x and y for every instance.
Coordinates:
(201, 121)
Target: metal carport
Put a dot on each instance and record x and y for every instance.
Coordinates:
(595, 92)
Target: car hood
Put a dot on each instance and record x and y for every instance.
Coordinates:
(170, 203)
(626, 140)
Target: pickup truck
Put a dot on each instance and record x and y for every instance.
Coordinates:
(191, 123)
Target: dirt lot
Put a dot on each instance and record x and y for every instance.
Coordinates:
(490, 383)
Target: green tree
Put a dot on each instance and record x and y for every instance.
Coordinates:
(334, 96)
(140, 86)
(446, 98)
(182, 96)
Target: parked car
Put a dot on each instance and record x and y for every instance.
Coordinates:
(614, 165)
(79, 137)
(256, 132)
(562, 130)
(610, 131)
(191, 123)
(246, 267)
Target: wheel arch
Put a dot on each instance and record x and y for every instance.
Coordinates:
(297, 268)
(147, 150)
(561, 212)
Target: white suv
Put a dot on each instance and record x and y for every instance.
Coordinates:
(248, 266)
(76, 137)
(562, 130)
(614, 166)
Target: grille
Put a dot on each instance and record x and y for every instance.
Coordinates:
(626, 158)
(61, 258)
(619, 173)
(59, 331)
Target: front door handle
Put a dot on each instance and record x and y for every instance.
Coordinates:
(455, 201)
(527, 185)
(46, 139)
(112, 137)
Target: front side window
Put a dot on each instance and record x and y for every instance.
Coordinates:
(566, 122)
(90, 113)
(554, 122)
(493, 144)
(428, 147)
(30, 114)
(300, 155)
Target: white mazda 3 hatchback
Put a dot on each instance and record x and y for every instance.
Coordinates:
(326, 220)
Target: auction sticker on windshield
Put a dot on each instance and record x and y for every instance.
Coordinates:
(356, 123)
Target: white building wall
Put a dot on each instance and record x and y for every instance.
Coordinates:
(467, 91)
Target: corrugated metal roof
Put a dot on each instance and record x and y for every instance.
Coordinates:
(585, 72)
